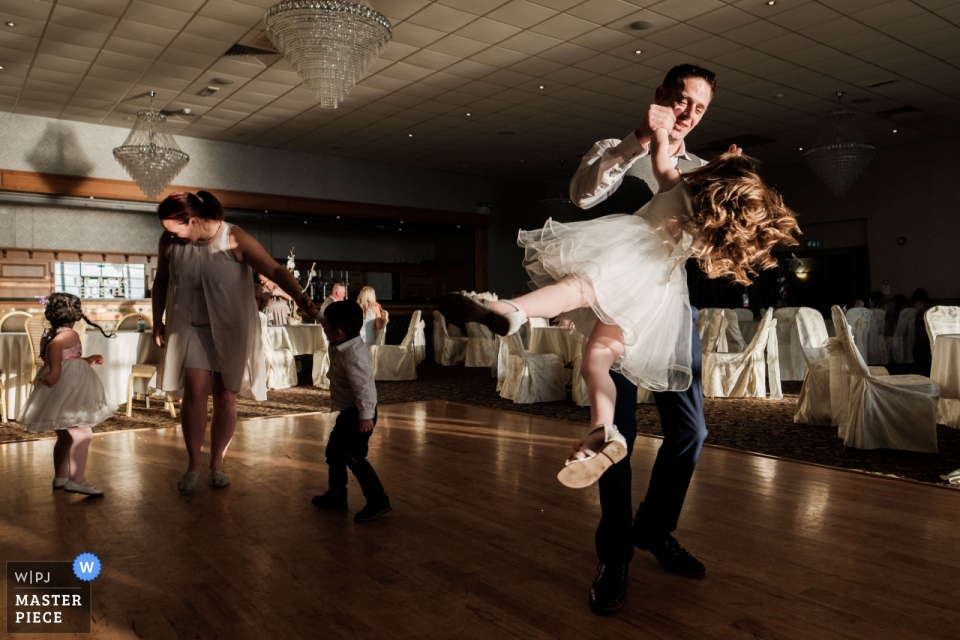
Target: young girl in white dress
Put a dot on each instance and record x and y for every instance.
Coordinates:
(628, 272)
(67, 395)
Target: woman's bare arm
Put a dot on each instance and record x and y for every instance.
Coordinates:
(664, 171)
(158, 293)
(246, 249)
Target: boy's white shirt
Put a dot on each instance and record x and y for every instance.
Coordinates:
(351, 378)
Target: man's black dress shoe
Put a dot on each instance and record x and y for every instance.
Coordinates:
(330, 500)
(609, 589)
(672, 556)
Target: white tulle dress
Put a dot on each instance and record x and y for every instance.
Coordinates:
(632, 267)
(77, 400)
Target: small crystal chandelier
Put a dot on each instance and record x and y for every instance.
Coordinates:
(150, 154)
(330, 43)
(556, 202)
(838, 157)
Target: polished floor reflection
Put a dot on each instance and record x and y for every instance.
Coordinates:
(483, 542)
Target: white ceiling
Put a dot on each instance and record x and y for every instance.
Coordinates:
(778, 69)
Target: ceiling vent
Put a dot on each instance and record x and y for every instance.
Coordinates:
(259, 49)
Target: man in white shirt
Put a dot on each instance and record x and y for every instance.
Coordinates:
(338, 293)
(619, 174)
(354, 394)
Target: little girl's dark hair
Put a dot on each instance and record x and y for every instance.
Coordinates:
(184, 205)
(62, 309)
(740, 219)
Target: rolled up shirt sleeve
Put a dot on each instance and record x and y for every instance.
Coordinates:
(602, 168)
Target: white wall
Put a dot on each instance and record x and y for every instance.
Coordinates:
(908, 191)
(32, 143)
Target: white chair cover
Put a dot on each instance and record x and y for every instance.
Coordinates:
(447, 350)
(863, 329)
(381, 338)
(744, 375)
(711, 333)
(539, 322)
(814, 405)
(532, 378)
(888, 412)
(702, 319)
(743, 315)
(905, 336)
(321, 364)
(481, 346)
(281, 365)
(398, 362)
(945, 368)
(792, 364)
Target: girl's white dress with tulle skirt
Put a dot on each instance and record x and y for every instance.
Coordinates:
(632, 268)
(77, 400)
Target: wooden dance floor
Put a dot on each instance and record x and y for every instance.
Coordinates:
(483, 541)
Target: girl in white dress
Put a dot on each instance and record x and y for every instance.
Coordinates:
(67, 395)
(628, 272)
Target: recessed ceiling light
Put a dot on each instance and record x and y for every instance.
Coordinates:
(458, 226)
(466, 166)
(770, 3)
(894, 130)
(468, 113)
(304, 222)
(409, 135)
(541, 86)
(641, 25)
(638, 52)
(11, 24)
(338, 217)
(1, 68)
(401, 222)
(801, 148)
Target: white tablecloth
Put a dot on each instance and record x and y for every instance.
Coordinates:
(119, 355)
(302, 339)
(945, 370)
(563, 342)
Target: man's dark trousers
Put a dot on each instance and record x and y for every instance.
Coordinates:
(684, 430)
(347, 448)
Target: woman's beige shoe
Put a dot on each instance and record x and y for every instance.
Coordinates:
(218, 479)
(85, 489)
(188, 482)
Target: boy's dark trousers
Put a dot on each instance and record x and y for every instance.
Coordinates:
(347, 448)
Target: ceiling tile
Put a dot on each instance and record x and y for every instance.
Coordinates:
(398, 10)
(431, 59)
(603, 39)
(603, 64)
(723, 20)
(153, 15)
(79, 37)
(709, 48)
(64, 50)
(602, 11)
(489, 31)
(678, 35)
(33, 9)
(479, 7)
(833, 30)
(685, 10)
(804, 16)
(568, 53)
(80, 19)
(444, 18)
(137, 31)
(458, 46)
(888, 12)
(233, 12)
(445, 80)
(530, 43)
(19, 42)
(470, 69)
(564, 27)
(415, 35)
(405, 71)
(398, 51)
(508, 78)
(755, 32)
(218, 29)
(521, 13)
(499, 57)
(916, 25)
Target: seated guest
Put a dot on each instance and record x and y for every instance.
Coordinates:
(274, 302)
(373, 318)
(922, 352)
(338, 293)
(889, 309)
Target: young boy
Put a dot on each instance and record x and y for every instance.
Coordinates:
(354, 395)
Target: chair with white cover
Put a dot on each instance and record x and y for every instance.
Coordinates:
(281, 365)
(145, 370)
(744, 375)
(861, 324)
(539, 322)
(879, 412)
(792, 364)
(447, 350)
(703, 318)
(814, 405)
(905, 336)
(743, 315)
(532, 377)
(381, 338)
(481, 346)
(397, 362)
(940, 322)
(321, 364)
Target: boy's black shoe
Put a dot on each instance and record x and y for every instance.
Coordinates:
(373, 510)
(330, 501)
(609, 589)
(671, 555)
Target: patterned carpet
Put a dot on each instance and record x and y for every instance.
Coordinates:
(758, 426)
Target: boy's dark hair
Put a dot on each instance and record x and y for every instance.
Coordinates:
(345, 315)
(675, 77)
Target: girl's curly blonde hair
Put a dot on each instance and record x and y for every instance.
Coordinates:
(740, 219)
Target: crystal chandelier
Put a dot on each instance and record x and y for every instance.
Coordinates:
(838, 157)
(330, 43)
(150, 154)
(556, 202)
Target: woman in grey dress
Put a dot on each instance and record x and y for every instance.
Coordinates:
(211, 332)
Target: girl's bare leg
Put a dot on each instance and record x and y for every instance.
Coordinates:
(61, 454)
(193, 413)
(566, 294)
(603, 348)
(224, 422)
(79, 446)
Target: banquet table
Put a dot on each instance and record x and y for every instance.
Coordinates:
(565, 343)
(119, 355)
(302, 339)
(945, 370)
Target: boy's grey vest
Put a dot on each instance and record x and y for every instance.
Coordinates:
(637, 188)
